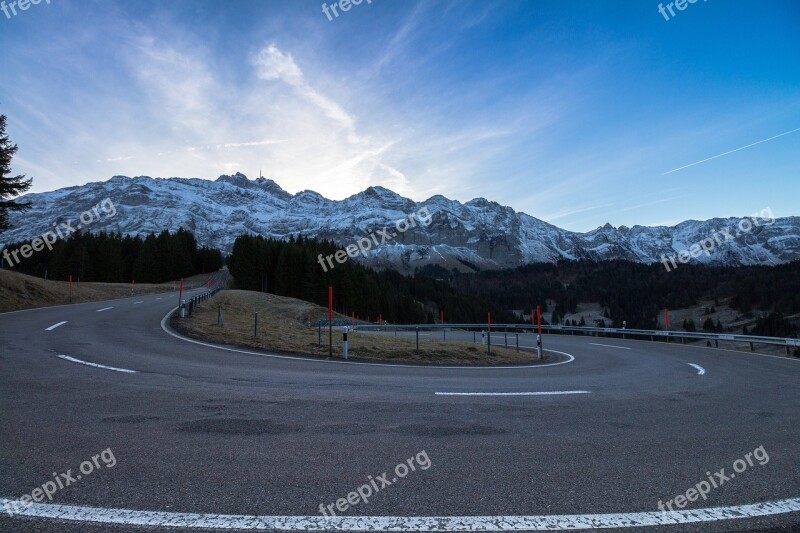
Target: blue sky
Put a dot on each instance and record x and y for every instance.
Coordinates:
(571, 111)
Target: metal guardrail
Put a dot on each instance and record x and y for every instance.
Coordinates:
(186, 307)
(752, 340)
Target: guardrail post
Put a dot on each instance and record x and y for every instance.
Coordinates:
(539, 345)
(517, 341)
(474, 340)
(752, 348)
(505, 334)
(417, 339)
(444, 334)
(716, 342)
(319, 334)
(219, 315)
(255, 327)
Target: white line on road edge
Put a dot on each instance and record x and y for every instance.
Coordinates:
(104, 309)
(54, 326)
(570, 358)
(140, 302)
(72, 359)
(700, 369)
(609, 345)
(75, 513)
(552, 393)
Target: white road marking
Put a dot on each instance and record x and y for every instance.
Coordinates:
(700, 369)
(104, 309)
(73, 360)
(140, 302)
(76, 513)
(609, 345)
(570, 358)
(54, 326)
(550, 393)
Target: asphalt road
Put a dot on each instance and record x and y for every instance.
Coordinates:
(196, 429)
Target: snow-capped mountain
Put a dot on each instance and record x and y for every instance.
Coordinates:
(478, 234)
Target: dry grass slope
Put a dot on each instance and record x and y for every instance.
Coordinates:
(282, 328)
(20, 291)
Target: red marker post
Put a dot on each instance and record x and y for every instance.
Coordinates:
(330, 321)
(539, 318)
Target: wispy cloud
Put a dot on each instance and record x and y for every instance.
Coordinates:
(570, 212)
(112, 159)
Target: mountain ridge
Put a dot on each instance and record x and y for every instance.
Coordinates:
(479, 233)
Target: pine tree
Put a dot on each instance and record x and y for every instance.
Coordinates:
(10, 186)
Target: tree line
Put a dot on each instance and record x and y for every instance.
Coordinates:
(291, 268)
(637, 293)
(114, 258)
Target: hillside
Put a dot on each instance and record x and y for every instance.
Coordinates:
(286, 326)
(20, 291)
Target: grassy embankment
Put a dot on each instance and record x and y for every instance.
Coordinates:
(20, 291)
(282, 328)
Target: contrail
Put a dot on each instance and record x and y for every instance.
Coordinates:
(732, 151)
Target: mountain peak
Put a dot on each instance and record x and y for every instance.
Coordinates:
(238, 179)
(264, 184)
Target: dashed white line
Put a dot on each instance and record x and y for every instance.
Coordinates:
(140, 302)
(104, 309)
(73, 360)
(700, 369)
(609, 345)
(195, 521)
(545, 393)
(54, 326)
